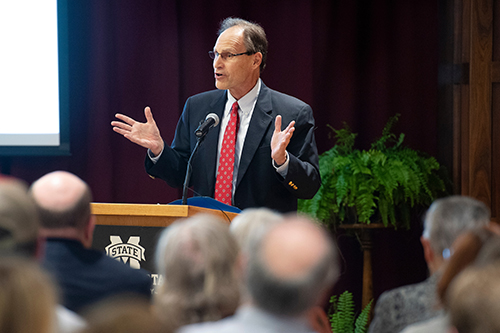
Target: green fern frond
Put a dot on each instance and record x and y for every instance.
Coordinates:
(342, 316)
(344, 139)
(361, 324)
(342, 320)
(387, 135)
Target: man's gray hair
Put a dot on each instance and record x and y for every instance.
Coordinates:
(290, 296)
(448, 218)
(197, 259)
(254, 36)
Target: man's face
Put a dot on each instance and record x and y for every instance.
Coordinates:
(237, 74)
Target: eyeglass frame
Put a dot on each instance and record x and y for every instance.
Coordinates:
(214, 54)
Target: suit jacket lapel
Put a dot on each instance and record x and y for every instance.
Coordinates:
(211, 141)
(261, 120)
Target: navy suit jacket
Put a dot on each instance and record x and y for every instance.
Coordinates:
(86, 276)
(258, 183)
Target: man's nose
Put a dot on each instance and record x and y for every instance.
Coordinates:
(218, 61)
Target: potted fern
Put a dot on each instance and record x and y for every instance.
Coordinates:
(379, 185)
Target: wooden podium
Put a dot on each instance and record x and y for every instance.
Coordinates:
(129, 232)
(149, 215)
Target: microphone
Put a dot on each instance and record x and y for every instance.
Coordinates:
(211, 120)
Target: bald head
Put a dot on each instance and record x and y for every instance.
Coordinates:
(63, 200)
(58, 190)
(291, 267)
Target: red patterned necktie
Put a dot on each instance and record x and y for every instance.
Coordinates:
(224, 182)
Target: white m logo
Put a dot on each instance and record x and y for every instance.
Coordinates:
(130, 252)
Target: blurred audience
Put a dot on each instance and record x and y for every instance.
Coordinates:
(289, 270)
(198, 259)
(266, 272)
(477, 247)
(445, 221)
(84, 275)
(19, 226)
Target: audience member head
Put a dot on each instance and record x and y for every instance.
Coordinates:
(63, 201)
(27, 297)
(197, 258)
(18, 219)
(446, 219)
(473, 299)
(123, 314)
(292, 267)
(252, 222)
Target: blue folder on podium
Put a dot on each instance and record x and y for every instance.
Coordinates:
(208, 202)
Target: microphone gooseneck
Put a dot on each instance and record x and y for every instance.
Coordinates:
(211, 120)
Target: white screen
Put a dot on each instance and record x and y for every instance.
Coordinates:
(29, 84)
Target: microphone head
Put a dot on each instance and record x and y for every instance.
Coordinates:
(215, 117)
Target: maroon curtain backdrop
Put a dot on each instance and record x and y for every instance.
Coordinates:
(354, 61)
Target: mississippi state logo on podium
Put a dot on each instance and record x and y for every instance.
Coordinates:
(131, 253)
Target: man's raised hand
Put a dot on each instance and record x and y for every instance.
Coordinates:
(280, 140)
(145, 134)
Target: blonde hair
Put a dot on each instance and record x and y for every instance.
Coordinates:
(27, 297)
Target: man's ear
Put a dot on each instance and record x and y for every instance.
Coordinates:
(428, 252)
(257, 59)
(89, 232)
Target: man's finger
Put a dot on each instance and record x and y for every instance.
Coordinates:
(149, 115)
(292, 123)
(119, 124)
(125, 119)
(277, 124)
(120, 130)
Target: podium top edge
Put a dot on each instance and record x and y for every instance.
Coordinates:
(139, 209)
(149, 210)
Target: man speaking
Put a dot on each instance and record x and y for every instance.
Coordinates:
(246, 161)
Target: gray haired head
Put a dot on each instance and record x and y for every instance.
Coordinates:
(197, 258)
(447, 218)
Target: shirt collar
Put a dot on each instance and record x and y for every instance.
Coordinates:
(247, 102)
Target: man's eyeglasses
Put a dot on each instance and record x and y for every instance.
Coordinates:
(227, 55)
